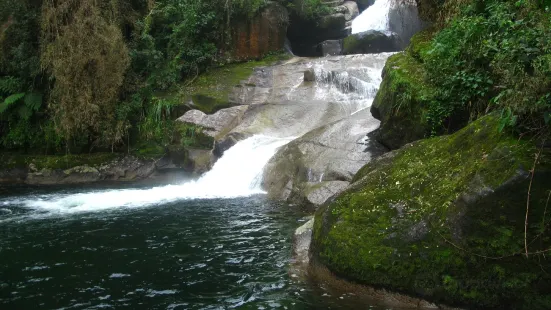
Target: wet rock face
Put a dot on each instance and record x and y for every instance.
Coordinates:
(331, 47)
(372, 41)
(321, 163)
(306, 34)
(217, 124)
(127, 168)
(264, 33)
(404, 21)
(364, 4)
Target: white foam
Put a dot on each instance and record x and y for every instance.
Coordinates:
(237, 174)
(374, 17)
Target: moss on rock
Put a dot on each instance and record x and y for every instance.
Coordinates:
(371, 41)
(39, 162)
(401, 101)
(443, 219)
(210, 91)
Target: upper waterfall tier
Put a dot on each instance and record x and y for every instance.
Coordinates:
(375, 17)
(284, 101)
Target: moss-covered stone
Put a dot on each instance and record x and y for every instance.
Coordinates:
(420, 43)
(39, 162)
(371, 41)
(193, 136)
(443, 219)
(402, 101)
(210, 91)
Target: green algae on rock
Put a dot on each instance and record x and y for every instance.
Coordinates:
(444, 219)
(401, 102)
(210, 91)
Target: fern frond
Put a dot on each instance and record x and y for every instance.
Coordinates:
(24, 112)
(13, 98)
(33, 101)
(10, 85)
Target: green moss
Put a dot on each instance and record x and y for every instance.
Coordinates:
(350, 43)
(148, 151)
(395, 227)
(402, 100)
(9, 161)
(193, 136)
(210, 90)
(420, 43)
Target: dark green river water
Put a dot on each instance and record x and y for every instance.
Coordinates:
(192, 254)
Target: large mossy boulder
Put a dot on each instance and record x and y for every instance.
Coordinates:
(371, 41)
(401, 102)
(405, 98)
(444, 219)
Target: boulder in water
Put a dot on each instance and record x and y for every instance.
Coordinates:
(215, 125)
(126, 168)
(371, 41)
(444, 218)
(331, 47)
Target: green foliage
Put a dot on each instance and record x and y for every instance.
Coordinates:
(442, 219)
(101, 75)
(157, 126)
(309, 9)
(492, 55)
(193, 136)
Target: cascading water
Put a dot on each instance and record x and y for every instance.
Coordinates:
(346, 82)
(375, 17)
(236, 174)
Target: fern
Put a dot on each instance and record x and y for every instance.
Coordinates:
(10, 85)
(33, 101)
(10, 101)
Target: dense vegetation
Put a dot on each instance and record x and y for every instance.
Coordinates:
(482, 56)
(80, 76)
(460, 219)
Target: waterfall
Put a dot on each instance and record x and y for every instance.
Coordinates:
(237, 174)
(343, 85)
(375, 17)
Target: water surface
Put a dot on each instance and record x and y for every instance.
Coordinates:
(189, 254)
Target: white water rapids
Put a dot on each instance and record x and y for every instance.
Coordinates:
(375, 17)
(237, 174)
(344, 85)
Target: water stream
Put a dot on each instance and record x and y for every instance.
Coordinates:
(210, 243)
(375, 17)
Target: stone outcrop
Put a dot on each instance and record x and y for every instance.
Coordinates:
(215, 125)
(400, 102)
(321, 163)
(371, 41)
(306, 34)
(264, 33)
(47, 170)
(444, 219)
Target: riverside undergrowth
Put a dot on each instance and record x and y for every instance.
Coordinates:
(483, 56)
(83, 76)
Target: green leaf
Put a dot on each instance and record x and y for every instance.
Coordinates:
(33, 101)
(13, 98)
(24, 112)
